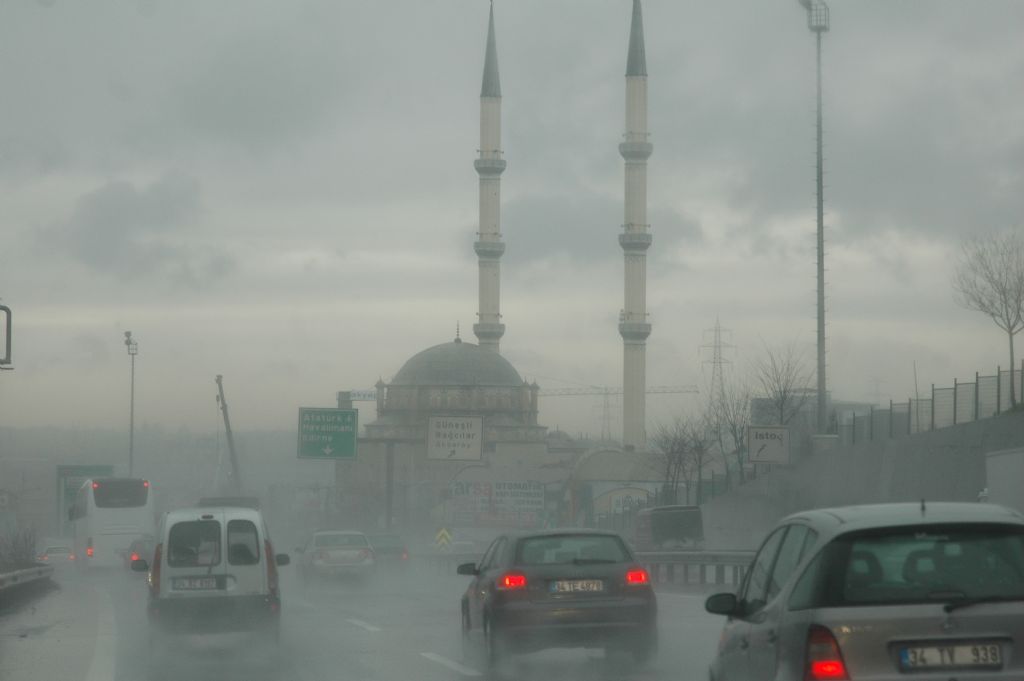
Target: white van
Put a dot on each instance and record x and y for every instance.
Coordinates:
(214, 570)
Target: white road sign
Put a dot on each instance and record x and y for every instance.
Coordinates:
(454, 438)
(768, 444)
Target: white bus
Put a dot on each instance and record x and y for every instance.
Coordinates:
(108, 514)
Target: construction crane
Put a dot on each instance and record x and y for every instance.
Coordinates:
(235, 483)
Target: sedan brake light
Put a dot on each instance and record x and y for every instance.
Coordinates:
(824, 661)
(512, 581)
(637, 577)
(134, 556)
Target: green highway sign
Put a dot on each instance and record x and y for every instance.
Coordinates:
(327, 433)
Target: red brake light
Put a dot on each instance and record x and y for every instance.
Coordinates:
(145, 483)
(134, 556)
(512, 581)
(154, 571)
(89, 551)
(824, 661)
(71, 556)
(637, 577)
(44, 557)
(95, 485)
(405, 555)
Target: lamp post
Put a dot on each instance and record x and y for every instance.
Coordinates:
(133, 349)
(818, 23)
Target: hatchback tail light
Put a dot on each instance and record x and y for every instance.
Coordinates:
(824, 660)
(512, 581)
(154, 571)
(88, 548)
(637, 577)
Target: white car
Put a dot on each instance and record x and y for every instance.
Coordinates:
(337, 553)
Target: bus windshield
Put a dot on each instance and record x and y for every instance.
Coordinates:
(120, 493)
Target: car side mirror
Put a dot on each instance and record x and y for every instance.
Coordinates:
(282, 559)
(140, 565)
(723, 604)
(467, 569)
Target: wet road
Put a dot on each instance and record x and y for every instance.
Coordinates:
(93, 628)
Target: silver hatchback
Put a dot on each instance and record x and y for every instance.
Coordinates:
(886, 591)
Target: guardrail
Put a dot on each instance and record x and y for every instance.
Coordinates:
(10, 580)
(696, 567)
(680, 568)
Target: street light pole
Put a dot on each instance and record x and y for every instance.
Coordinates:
(133, 349)
(818, 23)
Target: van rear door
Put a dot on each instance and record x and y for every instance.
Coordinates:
(245, 569)
(194, 563)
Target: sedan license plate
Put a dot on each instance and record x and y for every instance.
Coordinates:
(985, 655)
(577, 585)
(195, 583)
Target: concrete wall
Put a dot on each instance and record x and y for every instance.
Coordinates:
(941, 465)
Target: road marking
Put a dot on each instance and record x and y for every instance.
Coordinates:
(103, 657)
(364, 625)
(454, 666)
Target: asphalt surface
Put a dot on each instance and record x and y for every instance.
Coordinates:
(93, 628)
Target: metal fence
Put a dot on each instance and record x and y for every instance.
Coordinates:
(963, 402)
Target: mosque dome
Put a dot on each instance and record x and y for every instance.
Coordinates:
(457, 364)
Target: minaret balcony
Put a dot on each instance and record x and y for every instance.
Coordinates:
(489, 331)
(489, 249)
(636, 151)
(635, 241)
(489, 166)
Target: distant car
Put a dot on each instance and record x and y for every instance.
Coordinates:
(336, 553)
(141, 548)
(389, 550)
(57, 554)
(213, 571)
(556, 589)
(887, 591)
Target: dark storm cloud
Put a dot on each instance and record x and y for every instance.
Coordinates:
(583, 228)
(123, 230)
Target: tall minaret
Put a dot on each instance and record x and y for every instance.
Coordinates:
(635, 240)
(489, 248)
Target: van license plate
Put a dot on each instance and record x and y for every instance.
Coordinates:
(195, 583)
(574, 585)
(982, 655)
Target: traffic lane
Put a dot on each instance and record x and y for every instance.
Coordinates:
(390, 628)
(49, 631)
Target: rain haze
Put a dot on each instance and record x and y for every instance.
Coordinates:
(303, 198)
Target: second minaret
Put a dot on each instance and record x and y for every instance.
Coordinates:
(489, 166)
(635, 240)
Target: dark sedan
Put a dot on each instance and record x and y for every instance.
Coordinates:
(558, 589)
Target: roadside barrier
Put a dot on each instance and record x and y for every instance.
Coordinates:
(11, 580)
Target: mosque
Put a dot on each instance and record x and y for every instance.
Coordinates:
(457, 439)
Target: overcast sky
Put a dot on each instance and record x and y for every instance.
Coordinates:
(283, 193)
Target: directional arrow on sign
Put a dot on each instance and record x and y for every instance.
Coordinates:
(327, 450)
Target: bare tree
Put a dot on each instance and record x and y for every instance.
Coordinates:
(989, 278)
(784, 379)
(683, 450)
(730, 411)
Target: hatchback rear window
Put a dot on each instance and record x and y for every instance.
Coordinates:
(194, 543)
(917, 564)
(571, 548)
(339, 540)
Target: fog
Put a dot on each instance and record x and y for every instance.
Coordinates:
(293, 196)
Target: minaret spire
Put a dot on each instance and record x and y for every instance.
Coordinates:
(635, 240)
(489, 166)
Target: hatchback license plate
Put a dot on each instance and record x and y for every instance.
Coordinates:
(987, 655)
(195, 583)
(574, 585)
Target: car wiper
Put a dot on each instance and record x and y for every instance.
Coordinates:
(968, 602)
(592, 561)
